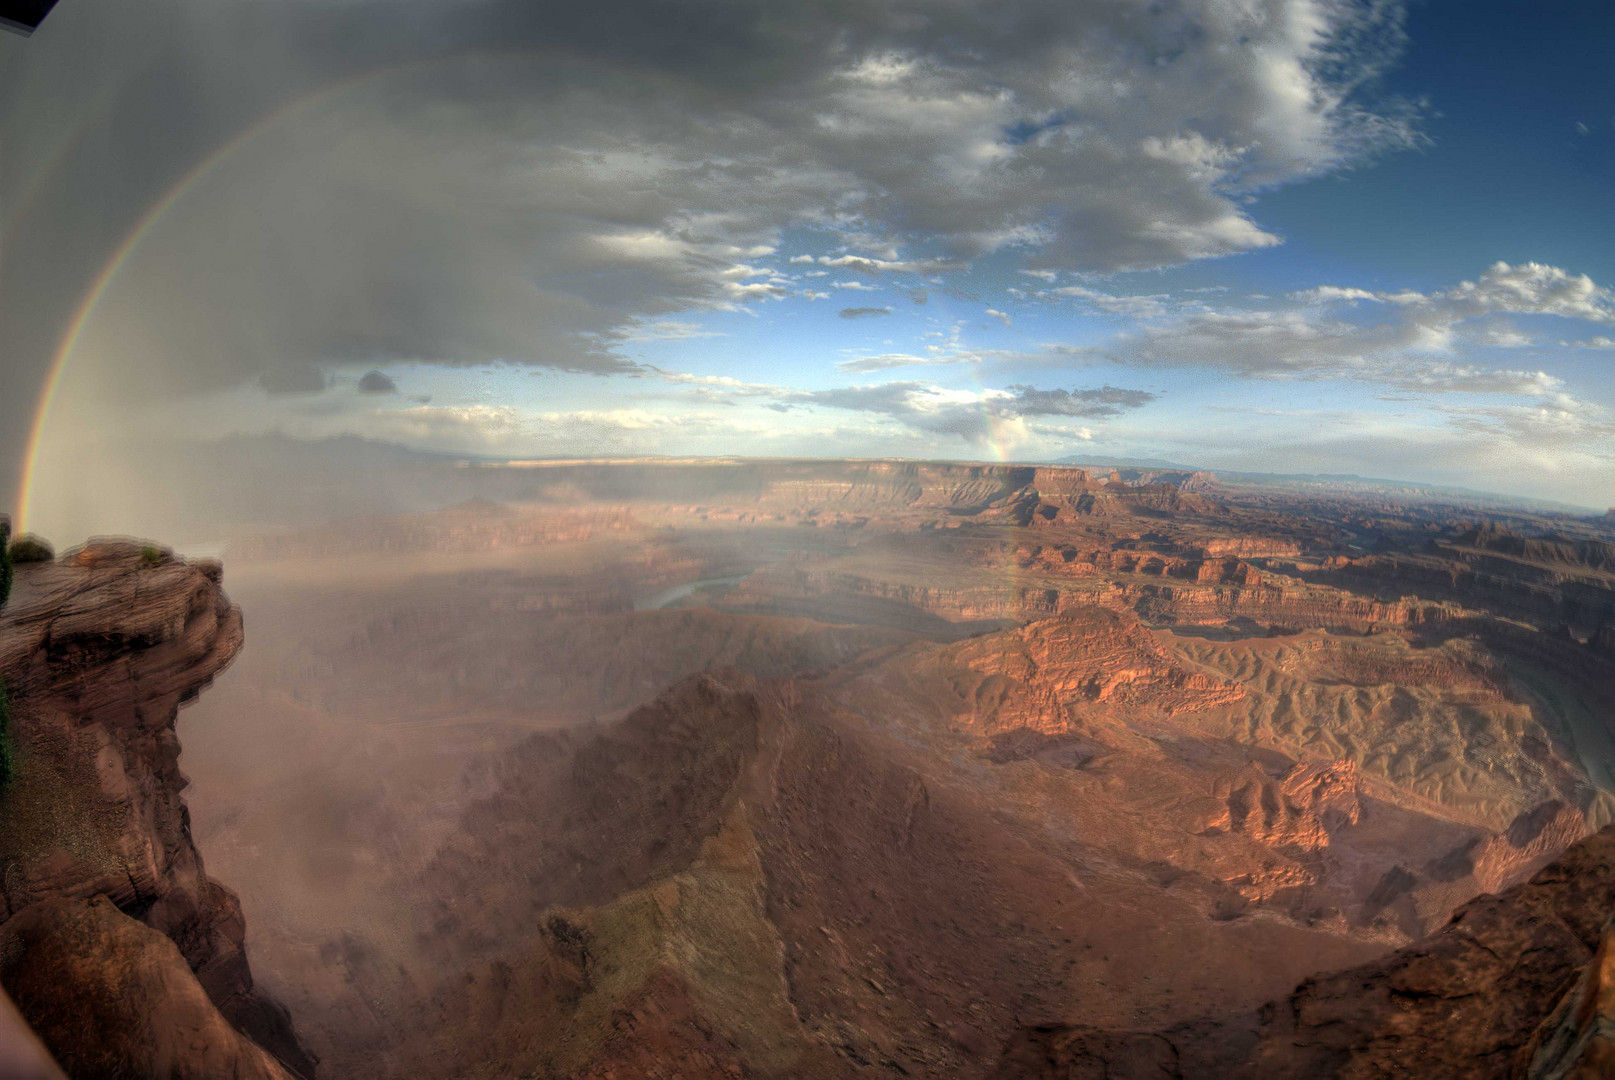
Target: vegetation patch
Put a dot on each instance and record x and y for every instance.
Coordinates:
(29, 548)
(706, 927)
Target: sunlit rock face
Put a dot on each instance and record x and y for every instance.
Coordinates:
(1578, 1038)
(1516, 985)
(820, 769)
(98, 651)
(898, 859)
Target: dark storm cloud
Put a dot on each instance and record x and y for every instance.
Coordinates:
(526, 182)
(376, 382)
(298, 379)
(864, 312)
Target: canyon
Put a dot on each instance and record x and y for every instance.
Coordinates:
(822, 769)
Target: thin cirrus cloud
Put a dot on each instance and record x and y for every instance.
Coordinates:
(863, 365)
(502, 182)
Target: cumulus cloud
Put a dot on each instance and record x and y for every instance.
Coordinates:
(1334, 294)
(544, 204)
(977, 416)
(864, 312)
(871, 265)
(1404, 339)
(1001, 316)
(1465, 378)
(922, 406)
(1527, 289)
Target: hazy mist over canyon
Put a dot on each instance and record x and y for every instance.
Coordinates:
(806, 540)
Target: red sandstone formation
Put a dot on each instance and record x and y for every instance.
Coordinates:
(112, 997)
(1296, 810)
(1224, 746)
(98, 651)
(892, 864)
(1251, 547)
(1515, 986)
(1055, 675)
(1577, 1040)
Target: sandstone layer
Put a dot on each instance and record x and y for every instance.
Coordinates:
(1516, 985)
(785, 769)
(890, 865)
(98, 652)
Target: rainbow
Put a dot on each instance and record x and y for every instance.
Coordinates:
(97, 289)
(120, 256)
(160, 209)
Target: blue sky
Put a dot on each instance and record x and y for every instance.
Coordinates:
(1301, 235)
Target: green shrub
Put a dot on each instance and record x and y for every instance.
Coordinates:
(30, 548)
(151, 555)
(5, 559)
(8, 755)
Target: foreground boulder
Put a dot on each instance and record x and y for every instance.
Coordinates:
(112, 997)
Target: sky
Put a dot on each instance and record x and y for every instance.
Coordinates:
(1266, 235)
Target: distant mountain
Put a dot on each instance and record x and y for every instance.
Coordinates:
(1127, 463)
(1345, 481)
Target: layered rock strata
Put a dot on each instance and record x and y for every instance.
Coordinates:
(1515, 986)
(99, 650)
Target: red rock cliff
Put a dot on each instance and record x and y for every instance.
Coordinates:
(98, 651)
